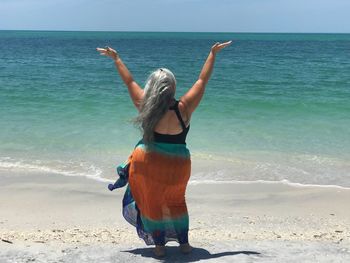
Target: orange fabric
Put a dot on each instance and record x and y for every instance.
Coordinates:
(158, 184)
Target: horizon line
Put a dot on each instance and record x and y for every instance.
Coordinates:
(145, 31)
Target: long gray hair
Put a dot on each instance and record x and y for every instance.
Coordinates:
(159, 92)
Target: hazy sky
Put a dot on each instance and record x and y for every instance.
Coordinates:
(178, 15)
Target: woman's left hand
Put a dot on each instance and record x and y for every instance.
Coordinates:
(109, 52)
(218, 46)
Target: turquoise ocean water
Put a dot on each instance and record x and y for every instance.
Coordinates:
(276, 108)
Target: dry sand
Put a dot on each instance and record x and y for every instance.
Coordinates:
(53, 218)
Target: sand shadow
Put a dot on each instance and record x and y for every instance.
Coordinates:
(174, 254)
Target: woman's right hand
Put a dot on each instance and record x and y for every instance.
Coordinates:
(218, 46)
(109, 52)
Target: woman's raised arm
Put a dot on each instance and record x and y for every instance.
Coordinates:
(194, 95)
(135, 91)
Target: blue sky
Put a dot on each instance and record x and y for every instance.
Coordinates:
(178, 15)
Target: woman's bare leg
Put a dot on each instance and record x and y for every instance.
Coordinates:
(159, 251)
(186, 248)
(159, 241)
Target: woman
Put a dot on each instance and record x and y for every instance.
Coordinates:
(159, 167)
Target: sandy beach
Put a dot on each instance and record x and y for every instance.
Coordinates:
(53, 218)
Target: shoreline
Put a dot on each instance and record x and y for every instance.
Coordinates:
(281, 182)
(98, 178)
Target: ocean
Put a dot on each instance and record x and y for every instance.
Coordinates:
(276, 108)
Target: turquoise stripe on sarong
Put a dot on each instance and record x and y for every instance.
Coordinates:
(178, 150)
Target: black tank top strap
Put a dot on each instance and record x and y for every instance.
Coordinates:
(175, 107)
(174, 138)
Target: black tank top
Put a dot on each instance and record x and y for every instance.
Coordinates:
(179, 138)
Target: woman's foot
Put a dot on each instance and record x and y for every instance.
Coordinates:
(186, 248)
(159, 251)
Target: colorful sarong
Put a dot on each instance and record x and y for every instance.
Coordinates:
(154, 201)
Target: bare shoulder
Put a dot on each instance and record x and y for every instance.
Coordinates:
(185, 114)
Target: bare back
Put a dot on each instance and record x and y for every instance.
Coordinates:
(170, 124)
